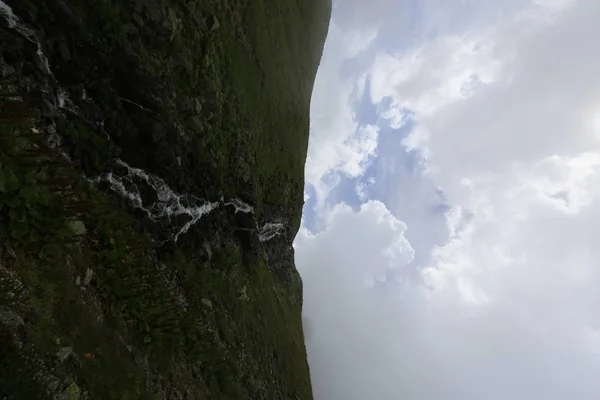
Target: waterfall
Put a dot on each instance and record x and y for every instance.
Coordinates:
(168, 205)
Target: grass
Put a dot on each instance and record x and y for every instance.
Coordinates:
(224, 88)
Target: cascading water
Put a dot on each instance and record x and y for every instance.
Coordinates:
(270, 230)
(166, 205)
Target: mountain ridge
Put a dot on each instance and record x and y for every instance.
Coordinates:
(151, 173)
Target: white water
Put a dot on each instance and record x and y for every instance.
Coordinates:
(141, 107)
(240, 206)
(270, 230)
(28, 33)
(168, 204)
(15, 22)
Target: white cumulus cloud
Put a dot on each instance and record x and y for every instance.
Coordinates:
(505, 103)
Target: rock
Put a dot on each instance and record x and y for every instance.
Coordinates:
(158, 132)
(65, 53)
(64, 353)
(178, 160)
(244, 293)
(51, 130)
(207, 303)
(137, 19)
(33, 315)
(67, 15)
(49, 110)
(52, 383)
(208, 250)
(129, 29)
(10, 318)
(91, 111)
(215, 24)
(186, 102)
(174, 22)
(197, 106)
(155, 14)
(148, 194)
(197, 16)
(120, 169)
(7, 70)
(78, 281)
(77, 227)
(244, 170)
(72, 392)
(195, 124)
(88, 276)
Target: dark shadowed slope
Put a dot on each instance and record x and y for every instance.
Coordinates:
(151, 184)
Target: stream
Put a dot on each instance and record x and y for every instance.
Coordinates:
(146, 192)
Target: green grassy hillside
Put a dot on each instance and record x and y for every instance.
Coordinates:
(151, 184)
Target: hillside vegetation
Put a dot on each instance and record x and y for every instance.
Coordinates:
(151, 184)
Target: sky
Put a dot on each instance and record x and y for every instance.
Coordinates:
(452, 204)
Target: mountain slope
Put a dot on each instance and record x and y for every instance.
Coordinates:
(151, 184)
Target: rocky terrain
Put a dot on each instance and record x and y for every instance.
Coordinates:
(151, 185)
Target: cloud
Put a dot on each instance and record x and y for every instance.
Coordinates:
(506, 309)
(339, 144)
(517, 287)
(504, 108)
(339, 270)
(535, 92)
(352, 15)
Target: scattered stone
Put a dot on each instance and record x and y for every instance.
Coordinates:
(10, 318)
(244, 293)
(72, 392)
(158, 132)
(207, 302)
(51, 130)
(208, 250)
(155, 14)
(78, 281)
(88, 277)
(129, 29)
(65, 53)
(49, 110)
(7, 70)
(178, 160)
(215, 24)
(64, 353)
(77, 227)
(195, 123)
(33, 315)
(197, 106)
(10, 251)
(52, 384)
(166, 24)
(138, 20)
(244, 169)
(92, 111)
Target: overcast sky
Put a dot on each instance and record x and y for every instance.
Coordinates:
(450, 244)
